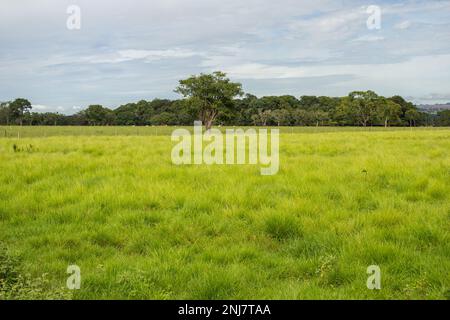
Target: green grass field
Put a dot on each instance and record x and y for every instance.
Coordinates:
(110, 200)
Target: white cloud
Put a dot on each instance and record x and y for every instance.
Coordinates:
(139, 49)
(403, 77)
(403, 25)
(144, 55)
(44, 108)
(442, 97)
(334, 25)
(369, 38)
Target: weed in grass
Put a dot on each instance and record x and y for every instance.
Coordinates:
(16, 286)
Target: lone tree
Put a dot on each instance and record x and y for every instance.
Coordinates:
(210, 95)
(18, 109)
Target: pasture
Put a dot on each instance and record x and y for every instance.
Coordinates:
(109, 200)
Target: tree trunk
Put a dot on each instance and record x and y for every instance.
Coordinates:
(208, 118)
(386, 123)
(208, 124)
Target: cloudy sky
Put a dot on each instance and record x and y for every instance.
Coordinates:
(134, 49)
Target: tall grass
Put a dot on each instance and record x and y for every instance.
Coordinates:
(52, 131)
(140, 227)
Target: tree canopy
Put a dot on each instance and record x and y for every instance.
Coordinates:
(210, 95)
(213, 98)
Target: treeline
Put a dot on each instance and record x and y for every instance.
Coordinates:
(359, 108)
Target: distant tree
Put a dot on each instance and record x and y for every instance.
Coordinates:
(281, 116)
(184, 112)
(210, 94)
(302, 117)
(443, 118)
(47, 119)
(18, 108)
(343, 114)
(244, 110)
(51, 119)
(215, 99)
(405, 107)
(412, 116)
(262, 117)
(4, 113)
(78, 119)
(309, 103)
(35, 119)
(97, 115)
(389, 111)
(164, 118)
(320, 117)
(363, 104)
(128, 114)
(266, 103)
(427, 119)
(288, 102)
(327, 104)
(143, 112)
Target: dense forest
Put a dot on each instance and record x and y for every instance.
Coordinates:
(364, 108)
